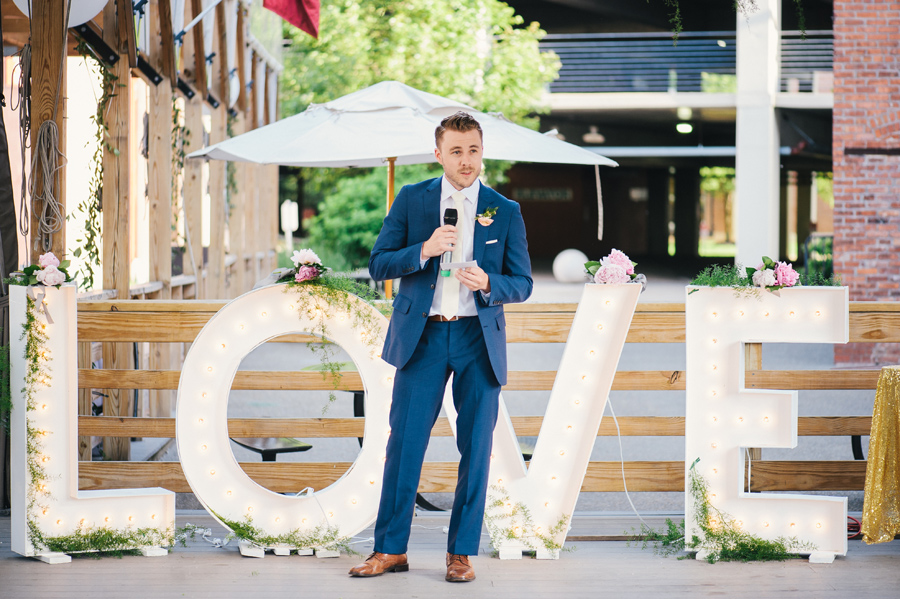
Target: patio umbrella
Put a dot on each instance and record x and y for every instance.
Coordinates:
(390, 123)
(388, 120)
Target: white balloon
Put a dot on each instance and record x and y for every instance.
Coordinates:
(568, 266)
(82, 11)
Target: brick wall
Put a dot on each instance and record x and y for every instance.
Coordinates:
(866, 173)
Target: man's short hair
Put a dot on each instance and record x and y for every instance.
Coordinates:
(461, 122)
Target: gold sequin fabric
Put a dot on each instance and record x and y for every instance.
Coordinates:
(881, 509)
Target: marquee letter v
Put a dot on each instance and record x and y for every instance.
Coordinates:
(548, 488)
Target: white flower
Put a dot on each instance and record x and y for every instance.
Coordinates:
(50, 276)
(764, 278)
(307, 256)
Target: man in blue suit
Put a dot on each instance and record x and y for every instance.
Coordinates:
(442, 325)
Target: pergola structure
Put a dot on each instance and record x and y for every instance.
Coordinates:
(195, 64)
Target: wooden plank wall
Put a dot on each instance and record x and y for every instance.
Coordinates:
(179, 322)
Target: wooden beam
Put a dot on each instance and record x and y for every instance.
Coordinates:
(116, 204)
(124, 20)
(222, 86)
(192, 194)
(199, 66)
(525, 426)
(166, 41)
(241, 45)
(440, 477)
(160, 191)
(48, 103)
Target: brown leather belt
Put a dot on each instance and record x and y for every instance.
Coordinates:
(442, 318)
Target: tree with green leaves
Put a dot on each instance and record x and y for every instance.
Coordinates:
(478, 52)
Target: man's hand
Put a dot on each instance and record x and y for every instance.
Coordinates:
(442, 240)
(474, 278)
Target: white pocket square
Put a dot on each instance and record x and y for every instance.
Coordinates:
(490, 242)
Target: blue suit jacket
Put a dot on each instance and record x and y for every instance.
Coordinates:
(412, 219)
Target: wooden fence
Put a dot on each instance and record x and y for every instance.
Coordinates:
(172, 321)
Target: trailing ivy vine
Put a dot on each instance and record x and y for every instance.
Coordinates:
(508, 521)
(231, 183)
(181, 135)
(92, 204)
(722, 537)
(327, 297)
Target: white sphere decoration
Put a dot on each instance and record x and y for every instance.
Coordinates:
(82, 11)
(568, 266)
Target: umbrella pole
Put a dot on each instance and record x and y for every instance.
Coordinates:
(389, 284)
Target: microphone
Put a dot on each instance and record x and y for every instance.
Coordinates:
(450, 218)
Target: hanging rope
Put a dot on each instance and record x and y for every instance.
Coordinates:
(46, 154)
(23, 105)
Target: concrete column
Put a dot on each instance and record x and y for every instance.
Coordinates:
(757, 142)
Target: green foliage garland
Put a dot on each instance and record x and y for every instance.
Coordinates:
(322, 299)
(722, 537)
(92, 205)
(5, 388)
(508, 521)
(735, 276)
(231, 181)
(320, 537)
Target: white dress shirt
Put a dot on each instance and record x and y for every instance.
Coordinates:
(465, 224)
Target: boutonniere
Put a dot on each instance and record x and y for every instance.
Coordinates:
(485, 217)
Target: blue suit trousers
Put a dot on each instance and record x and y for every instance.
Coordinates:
(444, 347)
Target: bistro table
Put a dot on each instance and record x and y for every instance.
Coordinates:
(881, 507)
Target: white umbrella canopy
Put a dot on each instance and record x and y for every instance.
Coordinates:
(386, 120)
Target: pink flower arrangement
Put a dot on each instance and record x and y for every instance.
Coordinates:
(614, 269)
(48, 271)
(773, 275)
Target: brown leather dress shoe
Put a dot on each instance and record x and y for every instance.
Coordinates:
(379, 563)
(459, 569)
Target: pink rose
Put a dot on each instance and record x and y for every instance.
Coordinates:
(50, 275)
(785, 275)
(306, 273)
(305, 257)
(611, 274)
(619, 258)
(48, 259)
(485, 221)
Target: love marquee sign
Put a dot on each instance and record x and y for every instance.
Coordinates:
(548, 487)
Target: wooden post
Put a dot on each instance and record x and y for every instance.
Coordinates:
(48, 102)
(116, 200)
(218, 210)
(160, 190)
(192, 191)
(389, 284)
(237, 219)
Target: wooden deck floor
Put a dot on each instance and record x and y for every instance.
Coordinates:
(595, 569)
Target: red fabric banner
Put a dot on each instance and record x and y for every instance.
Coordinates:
(303, 14)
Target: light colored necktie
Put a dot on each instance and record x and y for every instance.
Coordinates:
(450, 292)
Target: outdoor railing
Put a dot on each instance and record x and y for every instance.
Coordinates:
(806, 64)
(179, 322)
(699, 62)
(643, 62)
